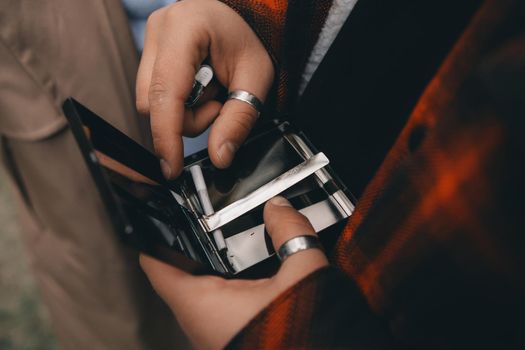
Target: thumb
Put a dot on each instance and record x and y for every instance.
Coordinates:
(283, 223)
(237, 118)
(173, 285)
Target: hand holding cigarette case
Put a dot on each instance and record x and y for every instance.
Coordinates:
(223, 234)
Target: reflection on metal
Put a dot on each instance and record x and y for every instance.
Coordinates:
(347, 206)
(265, 192)
(202, 192)
(202, 78)
(322, 175)
(247, 248)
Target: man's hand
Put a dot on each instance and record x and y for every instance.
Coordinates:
(211, 310)
(178, 39)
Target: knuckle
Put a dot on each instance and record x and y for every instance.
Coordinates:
(176, 10)
(154, 18)
(157, 93)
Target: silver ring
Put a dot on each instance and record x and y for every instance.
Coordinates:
(298, 244)
(246, 97)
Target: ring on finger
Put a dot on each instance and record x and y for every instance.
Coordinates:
(246, 97)
(298, 244)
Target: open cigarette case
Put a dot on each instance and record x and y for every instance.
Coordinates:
(226, 235)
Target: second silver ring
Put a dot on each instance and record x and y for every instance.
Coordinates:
(246, 97)
(298, 244)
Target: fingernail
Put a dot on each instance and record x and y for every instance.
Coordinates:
(166, 169)
(280, 202)
(226, 153)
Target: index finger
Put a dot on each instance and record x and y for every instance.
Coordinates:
(171, 82)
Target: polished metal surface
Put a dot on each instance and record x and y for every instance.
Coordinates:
(202, 192)
(322, 175)
(246, 97)
(265, 192)
(202, 78)
(298, 244)
(248, 247)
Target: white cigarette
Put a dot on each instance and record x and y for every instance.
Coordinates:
(204, 197)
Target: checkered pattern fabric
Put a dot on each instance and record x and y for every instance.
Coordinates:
(432, 257)
(288, 29)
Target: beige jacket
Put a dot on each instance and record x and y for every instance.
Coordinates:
(50, 49)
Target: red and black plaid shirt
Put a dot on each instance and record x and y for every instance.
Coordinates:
(433, 255)
(288, 29)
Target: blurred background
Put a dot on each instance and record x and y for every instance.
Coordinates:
(24, 323)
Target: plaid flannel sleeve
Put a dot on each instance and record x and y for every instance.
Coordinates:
(288, 29)
(324, 310)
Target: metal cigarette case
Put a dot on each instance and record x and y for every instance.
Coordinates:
(166, 219)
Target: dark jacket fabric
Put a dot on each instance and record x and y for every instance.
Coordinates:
(432, 257)
(288, 29)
